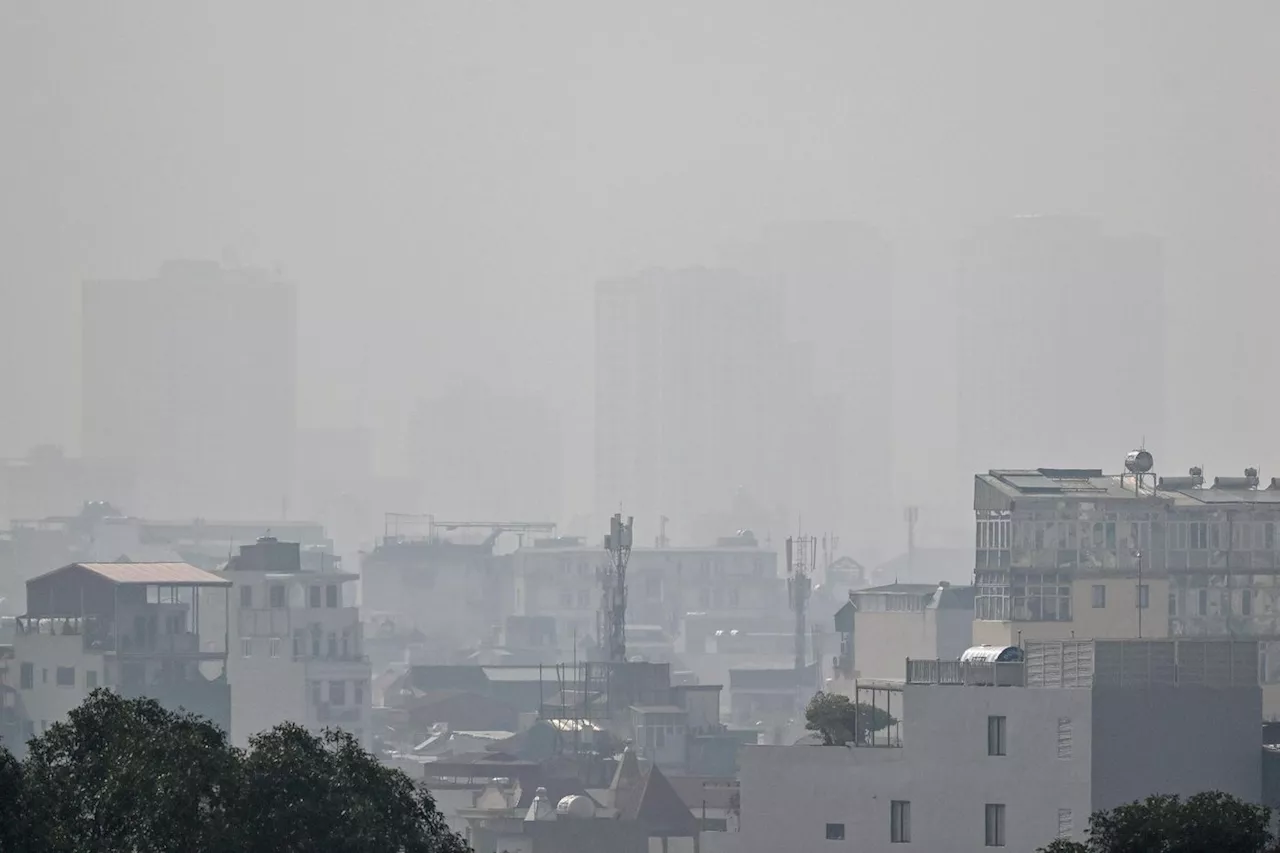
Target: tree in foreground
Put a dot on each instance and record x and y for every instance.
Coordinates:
(1211, 822)
(128, 775)
(841, 721)
(308, 793)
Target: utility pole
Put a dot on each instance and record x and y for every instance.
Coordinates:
(612, 626)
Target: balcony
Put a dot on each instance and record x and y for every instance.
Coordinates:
(966, 673)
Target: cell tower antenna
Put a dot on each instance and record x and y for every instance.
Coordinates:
(801, 557)
(612, 627)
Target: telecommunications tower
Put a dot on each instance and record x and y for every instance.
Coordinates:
(612, 624)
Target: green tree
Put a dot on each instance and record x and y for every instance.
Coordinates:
(307, 794)
(12, 814)
(840, 721)
(126, 774)
(1211, 822)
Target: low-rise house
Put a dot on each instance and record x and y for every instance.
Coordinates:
(1018, 754)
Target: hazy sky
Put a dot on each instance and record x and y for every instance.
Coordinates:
(446, 181)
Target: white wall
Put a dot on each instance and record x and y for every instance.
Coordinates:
(790, 793)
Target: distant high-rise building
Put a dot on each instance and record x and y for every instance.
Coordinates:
(1061, 336)
(481, 455)
(189, 378)
(690, 369)
(838, 278)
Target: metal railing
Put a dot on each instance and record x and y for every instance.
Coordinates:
(966, 673)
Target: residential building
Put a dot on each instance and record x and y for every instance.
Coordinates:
(735, 577)
(442, 581)
(1067, 553)
(885, 625)
(137, 628)
(189, 379)
(837, 279)
(297, 644)
(690, 377)
(1080, 726)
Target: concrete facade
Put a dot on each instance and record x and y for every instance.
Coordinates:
(1067, 751)
(297, 651)
(899, 621)
(1076, 553)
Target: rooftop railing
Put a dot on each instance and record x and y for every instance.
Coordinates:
(966, 673)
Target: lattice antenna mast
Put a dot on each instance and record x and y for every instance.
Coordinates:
(802, 553)
(613, 582)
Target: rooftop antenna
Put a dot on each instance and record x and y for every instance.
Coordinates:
(801, 556)
(612, 627)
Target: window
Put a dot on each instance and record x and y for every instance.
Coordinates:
(733, 597)
(1173, 604)
(273, 647)
(44, 675)
(246, 647)
(995, 824)
(996, 735)
(357, 692)
(337, 693)
(333, 644)
(1065, 823)
(313, 599)
(1099, 595)
(899, 822)
(1246, 602)
(91, 679)
(27, 678)
(1041, 597)
(1204, 602)
(315, 693)
(246, 596)
(566, 599)
(277, 596)
(331, 595)
(66, 676)
(584, 598)
(1144, 596)
(1064, 738)
(835, 832)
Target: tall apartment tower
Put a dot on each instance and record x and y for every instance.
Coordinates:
(838, 280)
(1061, 342)
(689, 373)
(189, 379)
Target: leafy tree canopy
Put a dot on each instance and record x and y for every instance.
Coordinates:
(841, 721)
(1211, 822)
(126, 774)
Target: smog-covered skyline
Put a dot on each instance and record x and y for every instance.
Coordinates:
(446, 185)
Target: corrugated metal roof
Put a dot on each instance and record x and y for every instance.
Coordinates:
(153, 573)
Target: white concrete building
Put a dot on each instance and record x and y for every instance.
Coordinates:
(1097, 724)
(297, 646)
(136, 628)
(884, 625)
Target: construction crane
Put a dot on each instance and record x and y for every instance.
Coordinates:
(612, 626)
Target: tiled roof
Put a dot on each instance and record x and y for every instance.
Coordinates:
(147, 573)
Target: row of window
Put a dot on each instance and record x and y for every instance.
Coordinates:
(63, 676)
(1142, 598)
(337, 692)
(998, 739)
(706, 598)
(318, 596)
(315, 645)
(993, 824)
(1070, 535)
